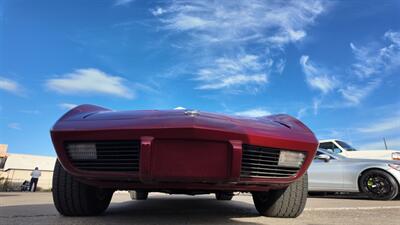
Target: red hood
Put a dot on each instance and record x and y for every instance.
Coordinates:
(86, 117)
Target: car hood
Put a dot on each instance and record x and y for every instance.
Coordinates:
(370, 154)
(280, 124)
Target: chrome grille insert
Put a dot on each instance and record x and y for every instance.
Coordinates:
(105, 155)
(262, 162)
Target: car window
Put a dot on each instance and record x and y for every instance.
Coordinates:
(336, 149)
(330, 147)
(346, 146)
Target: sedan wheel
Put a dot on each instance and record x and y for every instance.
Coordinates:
(379, 185)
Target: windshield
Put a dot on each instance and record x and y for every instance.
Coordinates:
(346, 146)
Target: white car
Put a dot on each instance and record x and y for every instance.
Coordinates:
(378, 179)
(342, 148)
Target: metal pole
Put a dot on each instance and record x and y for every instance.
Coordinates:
(384, 141)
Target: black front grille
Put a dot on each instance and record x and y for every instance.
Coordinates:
(263, 162)
(109, 155)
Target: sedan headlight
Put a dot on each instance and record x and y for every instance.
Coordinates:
(396, 155)
(395, 166)
(291, 159)
(82, 151)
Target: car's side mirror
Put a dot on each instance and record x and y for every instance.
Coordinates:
(324, 157)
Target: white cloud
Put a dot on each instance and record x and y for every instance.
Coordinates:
(372, 64)
(316, 103)
(157, 11)
(277, 22)
(122, 2)
(237, 44)
(10, 86)
(257, 112)
(374, 60)
(14, 126)
(67, 106)
(227, 72)
(179, 108)
(392, 144)
(354, 94)
(89, 81)
(368, 133)
(301, 113)
(235, 80)
(280, 65)
(316, 76)
(388, 124)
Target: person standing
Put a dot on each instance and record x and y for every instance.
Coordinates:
(35, 174)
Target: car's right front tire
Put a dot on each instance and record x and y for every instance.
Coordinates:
(286, 203)
(74, 198)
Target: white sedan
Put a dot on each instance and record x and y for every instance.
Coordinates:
(329, 172)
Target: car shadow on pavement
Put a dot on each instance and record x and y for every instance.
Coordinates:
(151, 211)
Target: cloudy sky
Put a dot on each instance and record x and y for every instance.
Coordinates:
(333, 64)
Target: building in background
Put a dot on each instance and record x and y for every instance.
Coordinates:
(16, 168)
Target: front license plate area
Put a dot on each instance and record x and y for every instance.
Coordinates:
(182, 161)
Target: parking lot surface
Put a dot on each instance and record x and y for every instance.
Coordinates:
(37, 208)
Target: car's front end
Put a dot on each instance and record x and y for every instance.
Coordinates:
(182, 151)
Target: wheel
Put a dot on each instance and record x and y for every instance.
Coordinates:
(378, 185)
(74, 198)
(224, 196)
(286, 203)
(139, 195)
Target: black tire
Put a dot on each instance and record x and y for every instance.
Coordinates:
(74, 198)
(378, 185)
(224, 196)
(286, 203)
(139, 195)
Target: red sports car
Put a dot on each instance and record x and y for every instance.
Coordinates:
(179, 152)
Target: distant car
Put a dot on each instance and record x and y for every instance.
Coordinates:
(379, 179)
(344, 149)
(179, 152)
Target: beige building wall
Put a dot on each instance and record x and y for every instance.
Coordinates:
(18, 167)
(13, 179)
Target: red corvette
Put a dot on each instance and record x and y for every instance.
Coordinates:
(179, 152)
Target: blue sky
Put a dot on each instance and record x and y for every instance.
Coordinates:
(333, 64)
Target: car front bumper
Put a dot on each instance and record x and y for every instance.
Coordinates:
(197, 160)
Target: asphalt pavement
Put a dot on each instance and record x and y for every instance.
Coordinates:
(37, 208)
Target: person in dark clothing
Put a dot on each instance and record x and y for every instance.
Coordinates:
(34, 180)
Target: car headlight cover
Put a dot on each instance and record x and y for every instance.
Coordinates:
(395, 166)
(291, 159)
(396, 155)
(82, 151)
